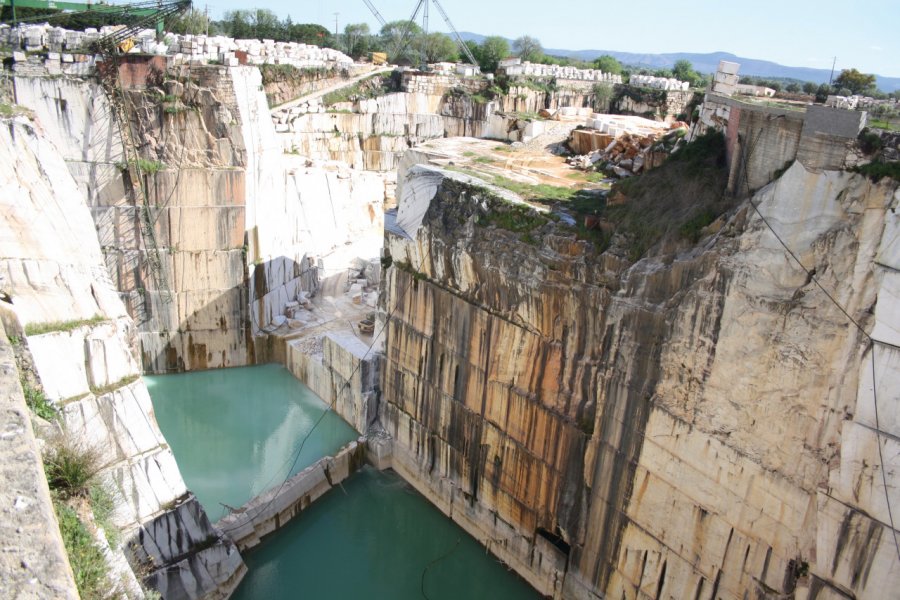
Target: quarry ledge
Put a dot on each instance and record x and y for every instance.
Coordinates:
(274, 508)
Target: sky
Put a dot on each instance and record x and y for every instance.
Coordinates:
(863, 34)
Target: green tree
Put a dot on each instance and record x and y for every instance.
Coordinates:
(854, 81)
(236, 24)
(809, 88)
(397, 37)
(793, 88)
(356, 39)
(608, 64)
(822, 92)
(266, 25)
(528, 48)
(193, 22)
(684, 71)
(436, 47)
(493, 50)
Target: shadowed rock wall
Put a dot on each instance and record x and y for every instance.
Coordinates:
(692, 426)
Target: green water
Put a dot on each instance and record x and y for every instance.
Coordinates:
(373, 539)
(235, 432)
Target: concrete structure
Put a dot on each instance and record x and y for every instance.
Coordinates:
(763, 140)
(526, 69)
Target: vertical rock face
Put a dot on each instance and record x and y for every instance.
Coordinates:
(696, 426)
(239, 225)
(52, 269)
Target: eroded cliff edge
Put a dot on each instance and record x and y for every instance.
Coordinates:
(696, 425)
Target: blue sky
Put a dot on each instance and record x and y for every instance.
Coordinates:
(864, 34)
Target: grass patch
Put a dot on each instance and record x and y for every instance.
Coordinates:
(148, 167)
(485, 160)
(57, 326)
(515, 218)
(13, 110)
(371, 87)
(99, 391)
(70, 467)
(88, 564)
(882, 124)
(103, 506)
(37, 402)
(878, 170)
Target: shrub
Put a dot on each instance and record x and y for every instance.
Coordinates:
(70, 467)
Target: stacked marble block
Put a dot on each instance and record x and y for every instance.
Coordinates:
(659, 83)
(726, 78)
(528, 69)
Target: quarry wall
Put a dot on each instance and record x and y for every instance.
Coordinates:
(701, 426)
(85, 358)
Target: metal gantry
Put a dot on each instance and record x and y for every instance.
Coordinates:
(401, 44)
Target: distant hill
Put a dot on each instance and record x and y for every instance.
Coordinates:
(706, 63)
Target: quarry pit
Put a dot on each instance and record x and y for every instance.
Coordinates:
(589, 355)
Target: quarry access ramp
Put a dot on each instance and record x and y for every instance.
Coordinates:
(320, 93)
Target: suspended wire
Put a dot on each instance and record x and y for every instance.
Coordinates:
(435, 561)
(872, 341)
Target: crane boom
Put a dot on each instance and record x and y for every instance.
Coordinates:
(375, 12)
(400, 48)
(458, 38)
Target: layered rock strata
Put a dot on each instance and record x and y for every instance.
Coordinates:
(700, 425)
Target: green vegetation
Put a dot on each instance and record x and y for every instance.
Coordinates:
(99, 391)
(877, 170)
(856, 82)
(148, 167)
(56, 326)
(12, 110)
(370, 87)
(528, 48)
(284, 72)
(70, 467)
(674, 201)
(608, 64)
(869, 142)
(883, 124)
(515, 218)
(37, 401)
(103, 506)
(87, 561)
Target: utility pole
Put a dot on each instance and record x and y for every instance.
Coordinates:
(336, 35)
(831, 77)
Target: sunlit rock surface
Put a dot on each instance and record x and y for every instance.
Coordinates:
(53, 272)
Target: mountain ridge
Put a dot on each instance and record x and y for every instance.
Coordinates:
(704, 63)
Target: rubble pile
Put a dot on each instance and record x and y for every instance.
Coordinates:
(228, 51)
(628, 153)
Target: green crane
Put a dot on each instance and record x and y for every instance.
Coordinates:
(140, 15)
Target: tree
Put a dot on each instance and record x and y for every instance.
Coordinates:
(236, 24)
(436, 47)
(854, 81)
(684, 71)
(822, 92)
(528, 48)
(356, 39)
(793, 88)
(809, 88)
(493, 50)
(193, 22)
(608, 64)
(397, 37)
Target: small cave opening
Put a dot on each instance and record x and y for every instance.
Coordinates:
(554, 539)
